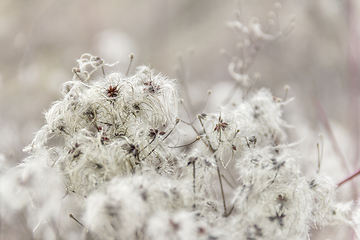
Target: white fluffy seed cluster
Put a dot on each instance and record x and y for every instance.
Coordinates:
(111, 143)
(111, 126)
(255, 122)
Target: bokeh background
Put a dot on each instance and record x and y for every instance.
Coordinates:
(40, 41)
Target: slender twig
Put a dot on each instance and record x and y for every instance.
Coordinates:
(232, 208)
(217, 163)
(227, 181)
(176, 123)
(357, 172)
(206, 136)
(188, 144)
(221, 185)
(72, 217)
(196, 131)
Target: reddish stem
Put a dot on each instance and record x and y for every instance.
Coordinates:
(349, 178)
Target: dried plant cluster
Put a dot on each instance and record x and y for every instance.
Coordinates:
(112, 153)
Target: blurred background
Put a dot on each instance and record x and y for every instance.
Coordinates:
(40, 41)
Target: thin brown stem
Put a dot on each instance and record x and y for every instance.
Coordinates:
(221, 185)
(217, 163)
(207, 137)
(232, 208)
(72, 217)
(176, 123)
(196, 139)
(227, 181)
(196, 131)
